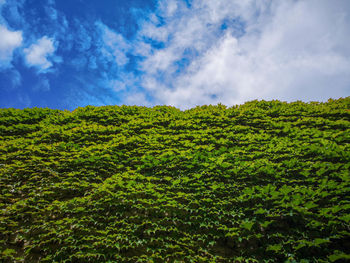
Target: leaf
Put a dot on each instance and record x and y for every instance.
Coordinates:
(300, 245)
(260, 211)
(345, 218)
(8, 252)
(197, 176)
(274, 248)
(310, 205)
(266, 223)
(320, 241)
(338, 255)
(247, 225)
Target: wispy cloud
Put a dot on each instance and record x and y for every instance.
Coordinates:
(115, 46)
(43, 84)
(41, 54)
(10, 40)
(13, 13)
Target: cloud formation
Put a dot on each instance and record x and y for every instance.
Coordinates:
(115, 45)
(10, 40)
(40, 54)
(234, 51)
(176, 52)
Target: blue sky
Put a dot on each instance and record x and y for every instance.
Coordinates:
(67, 54)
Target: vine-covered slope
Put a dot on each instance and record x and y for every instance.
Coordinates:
(260, 182)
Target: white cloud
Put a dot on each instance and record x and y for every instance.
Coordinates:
(136, 98)
(41, 53)
(115, 46)
(123, 83)
(10, 40)
(169, 7)
(288, 50)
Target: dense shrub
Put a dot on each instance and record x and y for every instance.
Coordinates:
(265, 181)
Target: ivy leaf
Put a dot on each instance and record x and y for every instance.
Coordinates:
(320, 241)
(247, 225)
(338, 255)
(275, 248)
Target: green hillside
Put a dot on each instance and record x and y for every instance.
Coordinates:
(259, 182)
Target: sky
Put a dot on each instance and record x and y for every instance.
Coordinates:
(66, 54)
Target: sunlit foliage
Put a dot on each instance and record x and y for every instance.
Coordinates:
(260, 182)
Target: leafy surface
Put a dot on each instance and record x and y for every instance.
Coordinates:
(260, 182)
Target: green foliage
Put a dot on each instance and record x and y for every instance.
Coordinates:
(265, 181)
